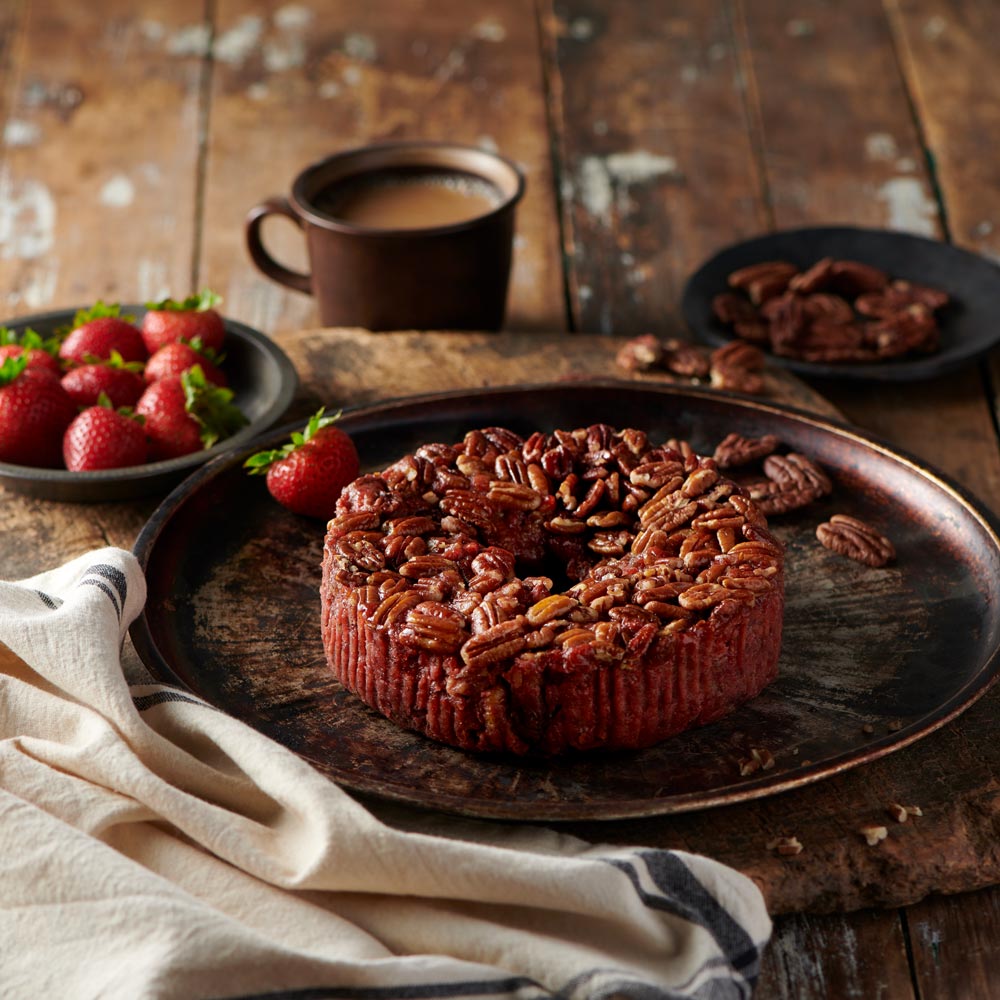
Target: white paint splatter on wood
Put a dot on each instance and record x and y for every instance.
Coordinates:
(27, 219)
(328, 89)
(360, 46)
(18, 132)
(488, 143)
(489, 30)
(237, 44)
(118, 192)
(581, 28)
(191, 41)
(880, 146)
(293, 17)
(351, 76)
(599, 178)
(934, 28)
(910, 208)
(279, 57)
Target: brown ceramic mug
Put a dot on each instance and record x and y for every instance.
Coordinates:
(392, 243)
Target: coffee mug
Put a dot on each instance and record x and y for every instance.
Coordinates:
(401, 236)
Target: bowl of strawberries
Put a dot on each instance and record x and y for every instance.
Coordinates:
(114, 402)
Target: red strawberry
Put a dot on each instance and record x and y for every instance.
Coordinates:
(99, 331)
(192, 317)
(185, 413)
(34, 412)
(101, 437)
(307, 474)
(41, 353)
(172, 359)
(121, 381)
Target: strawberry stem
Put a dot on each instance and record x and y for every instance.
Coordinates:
(197, 302)
(211, 406)
(257, 464)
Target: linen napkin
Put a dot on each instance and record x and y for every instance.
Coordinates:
(152, 846)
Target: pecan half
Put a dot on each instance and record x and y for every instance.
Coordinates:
(856, 539)
(735, 449)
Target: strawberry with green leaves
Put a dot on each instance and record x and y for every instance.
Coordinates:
(97, 332)
(41, 351)
(185, 413)
(178, 357)
(102, 437)
(120, 380)
(307, 474)
(35, 411)
(171, 320)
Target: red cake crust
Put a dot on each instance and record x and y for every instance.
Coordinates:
(572, 590)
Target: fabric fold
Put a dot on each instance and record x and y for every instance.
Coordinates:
(154, 846)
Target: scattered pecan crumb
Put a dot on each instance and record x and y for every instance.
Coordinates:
(763, 756)
(749, 766)
(895, 726)
(786, 846)
(806, 762)
(873, 834)
(868, 729)
(897, 812)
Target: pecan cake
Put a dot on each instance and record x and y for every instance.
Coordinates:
(570, 590)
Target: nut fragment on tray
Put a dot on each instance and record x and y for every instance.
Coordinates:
(834, 311)
(736, 367)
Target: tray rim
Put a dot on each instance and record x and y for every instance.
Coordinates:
(749, 789)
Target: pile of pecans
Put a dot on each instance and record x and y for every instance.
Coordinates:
(736, 367)
(835, 311)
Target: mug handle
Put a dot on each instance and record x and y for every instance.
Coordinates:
(264, 261)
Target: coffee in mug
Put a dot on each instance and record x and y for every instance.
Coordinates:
(401, 236)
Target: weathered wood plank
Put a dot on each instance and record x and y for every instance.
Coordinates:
(814, 957)
(839, 144)
(657, 165)
(363, 73)
(98, 178)
(955, 942)
(11, 26)
(948, 51)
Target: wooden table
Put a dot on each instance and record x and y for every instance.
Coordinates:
(136, 137)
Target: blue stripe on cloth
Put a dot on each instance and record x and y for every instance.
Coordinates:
(114, 575)
(101, 585)
(144, 701)
(684, 896)
(48, 600)
(513, 987)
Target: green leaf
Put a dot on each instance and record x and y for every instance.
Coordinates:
(99, 310)
(12, 367)
(258, 463)
(29, 339)
(211, 406)
(103, 399)
(197, 302)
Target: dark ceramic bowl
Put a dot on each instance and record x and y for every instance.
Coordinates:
(968, 324)
(259, 373)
